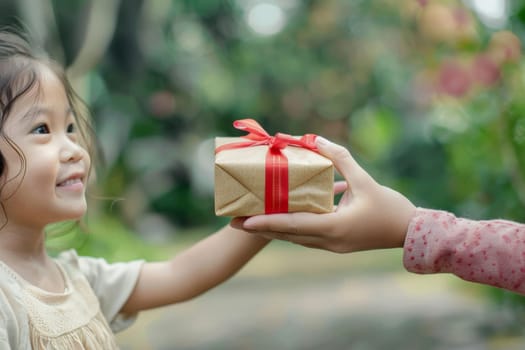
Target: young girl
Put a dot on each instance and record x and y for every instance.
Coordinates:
(371, 216)
(74, 302)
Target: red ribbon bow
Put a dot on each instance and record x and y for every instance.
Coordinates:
(276, 166)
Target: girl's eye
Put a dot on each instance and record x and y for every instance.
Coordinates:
(41, 129)
(71, 128)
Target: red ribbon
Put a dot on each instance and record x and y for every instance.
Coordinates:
(276, 166)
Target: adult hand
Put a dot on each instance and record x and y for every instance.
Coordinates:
(368, 216)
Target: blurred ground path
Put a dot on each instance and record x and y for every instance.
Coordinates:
(292, 298)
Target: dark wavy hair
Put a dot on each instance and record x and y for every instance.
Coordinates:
(20, 67)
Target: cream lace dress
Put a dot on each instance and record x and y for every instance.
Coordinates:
(84, 316)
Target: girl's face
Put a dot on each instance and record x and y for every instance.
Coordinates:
(41, 125)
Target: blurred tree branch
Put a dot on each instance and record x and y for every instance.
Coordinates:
(40, 18)
(510, 154)
(517, 177)
(102, 20)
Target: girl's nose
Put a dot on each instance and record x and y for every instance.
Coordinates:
(71, 151)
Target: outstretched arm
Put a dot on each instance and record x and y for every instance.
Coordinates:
(368, 216)
(371, 216)
(485, 251)
(194, 271)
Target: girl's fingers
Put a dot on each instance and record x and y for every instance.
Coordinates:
(237, 222)
(340, 187)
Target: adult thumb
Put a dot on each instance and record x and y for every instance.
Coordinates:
(343, 162)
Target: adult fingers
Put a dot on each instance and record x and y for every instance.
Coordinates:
(293, 223)
(343, 162)
(304, 240)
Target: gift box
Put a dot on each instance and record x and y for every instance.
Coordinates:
(263, 174)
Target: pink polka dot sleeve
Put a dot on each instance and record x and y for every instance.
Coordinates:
(490, 252)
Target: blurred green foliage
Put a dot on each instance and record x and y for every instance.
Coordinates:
(427, 94)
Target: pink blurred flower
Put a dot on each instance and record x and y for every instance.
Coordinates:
(162, 103)
(453, 79)
(461, 16)
(485, 71)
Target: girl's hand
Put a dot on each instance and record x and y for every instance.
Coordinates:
(368, 216)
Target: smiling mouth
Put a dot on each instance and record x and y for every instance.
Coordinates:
(69, 182)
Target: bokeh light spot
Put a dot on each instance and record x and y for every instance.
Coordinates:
(493, 13)
(266, 18)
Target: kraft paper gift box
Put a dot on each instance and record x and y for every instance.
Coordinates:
(244, 187)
